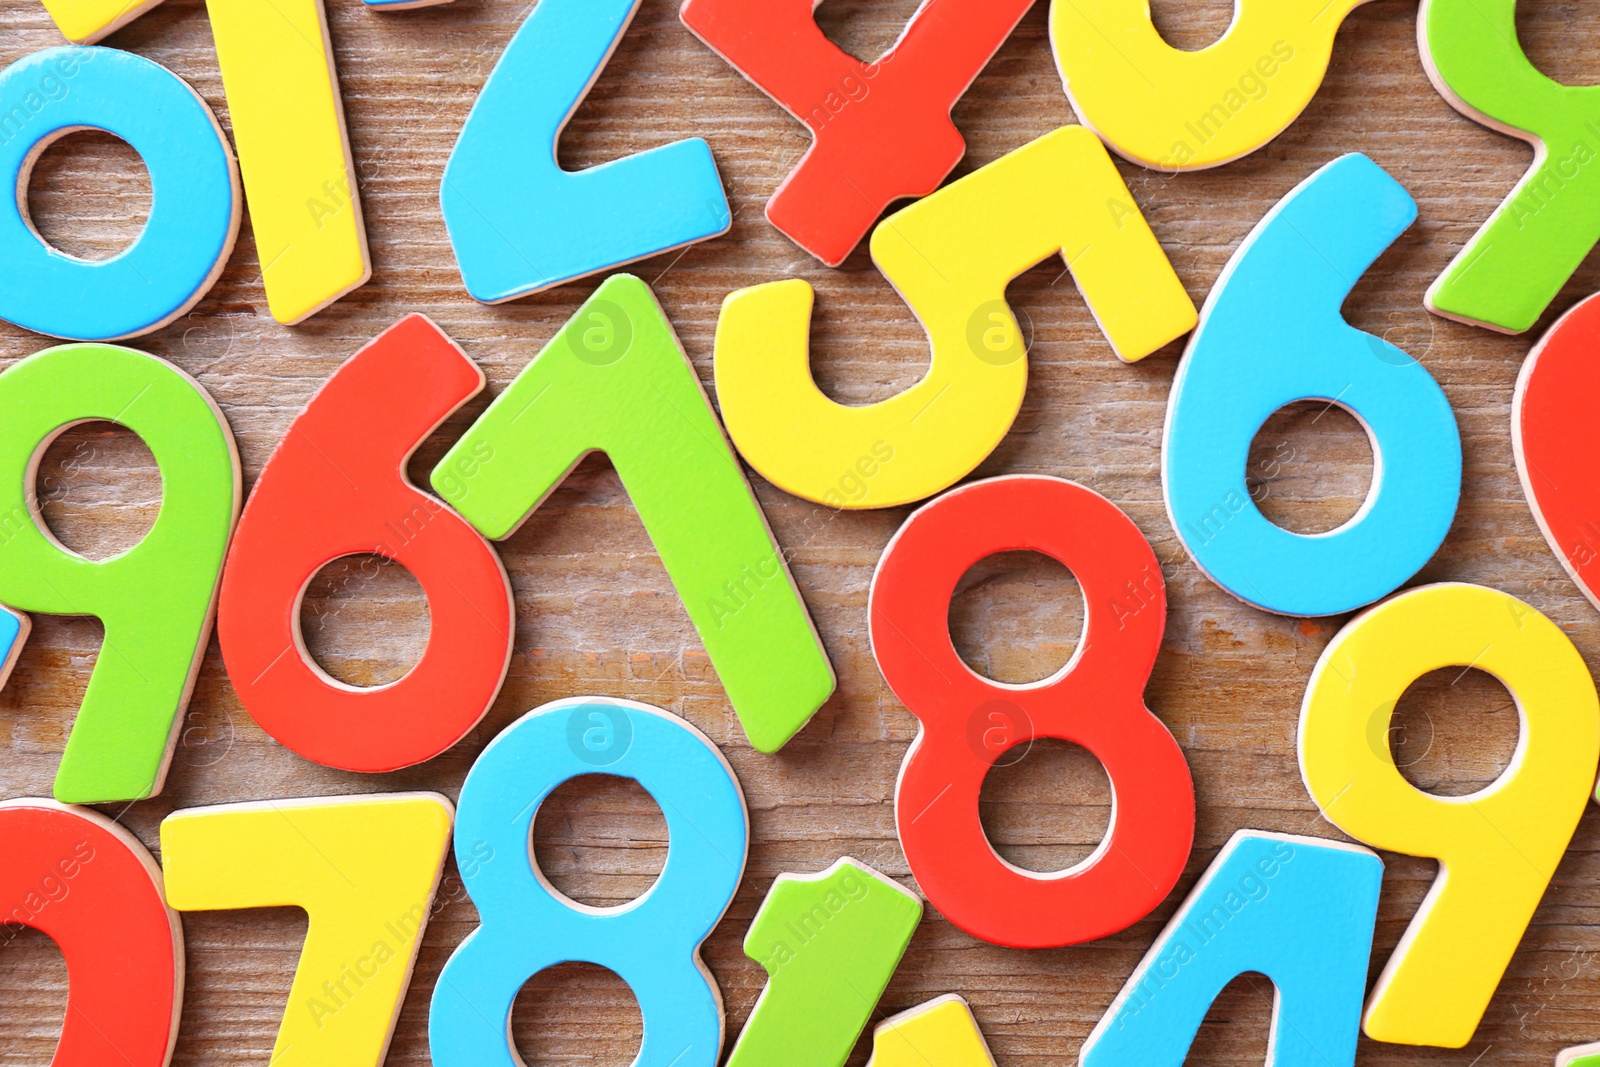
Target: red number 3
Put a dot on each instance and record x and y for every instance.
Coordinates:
(969, 723)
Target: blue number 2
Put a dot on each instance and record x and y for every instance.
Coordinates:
(517, 221)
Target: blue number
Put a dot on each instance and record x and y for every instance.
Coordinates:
(653, 942)
(517, 221)
(1299, 910)
(194, 206)
(1271, 334)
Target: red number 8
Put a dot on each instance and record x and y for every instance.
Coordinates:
(1096, 700)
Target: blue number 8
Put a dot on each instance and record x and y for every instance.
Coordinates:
(653, 942)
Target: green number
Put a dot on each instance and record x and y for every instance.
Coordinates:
(830, 943)
(637, 399)
(1521, 257)
(155, 600)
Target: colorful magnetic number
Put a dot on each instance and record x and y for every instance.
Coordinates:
(1271, 334)
(401, 5)
(1524, 253)
(86, 21)
(336, 485)
(517, 221)
(830, 943)
(950, 256)
(938, 1033)
(155, 600)
(1580, 1056)
(363, 868)
(1553, 439)
(1178, 110)
(14, 629)
(881, 130)
(194, 206)
(288, 121)
(653, 942)
(967, 721)
(1299, 910)
(1497, 848)
(93, 889)
(615, 379)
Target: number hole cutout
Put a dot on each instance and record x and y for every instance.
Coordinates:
(1046, 806)
(88, 195)
(364, 620)
(1560, 39)
(600, 840)
(33, 999)
(1454, 731)
(1310, 467)
(1192, 26)
(1016, 617)
(98, 489)
(865, 28)
(559, 1011)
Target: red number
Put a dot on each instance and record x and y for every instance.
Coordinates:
(969, 723)
(336, 486)
(882, 129)
(91, 886)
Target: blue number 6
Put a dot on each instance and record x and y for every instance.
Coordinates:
(653, 942)
(1271, 334)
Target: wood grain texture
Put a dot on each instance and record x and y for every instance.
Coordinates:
(596, 613)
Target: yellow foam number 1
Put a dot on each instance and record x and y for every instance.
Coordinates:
(364, 869)
(1164, 107)
(951, 256)
(1497, 848)
(288, 126)
(294, 155)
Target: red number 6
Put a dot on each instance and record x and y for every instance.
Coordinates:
(969, 722)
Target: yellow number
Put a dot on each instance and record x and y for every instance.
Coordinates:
(950, 256)
(1164, 107)
(1498, 847)
(938, 1033)
(364, 869)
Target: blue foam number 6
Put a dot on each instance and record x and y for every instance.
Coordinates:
(653, 942)
(1271, 334)
(517, 221)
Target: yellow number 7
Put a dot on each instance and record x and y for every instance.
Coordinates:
(365, 870)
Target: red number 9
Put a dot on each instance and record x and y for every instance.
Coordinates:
(969, 722)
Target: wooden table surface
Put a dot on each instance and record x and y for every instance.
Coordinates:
(597, 614)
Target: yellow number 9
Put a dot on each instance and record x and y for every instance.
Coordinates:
(1497, 848)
